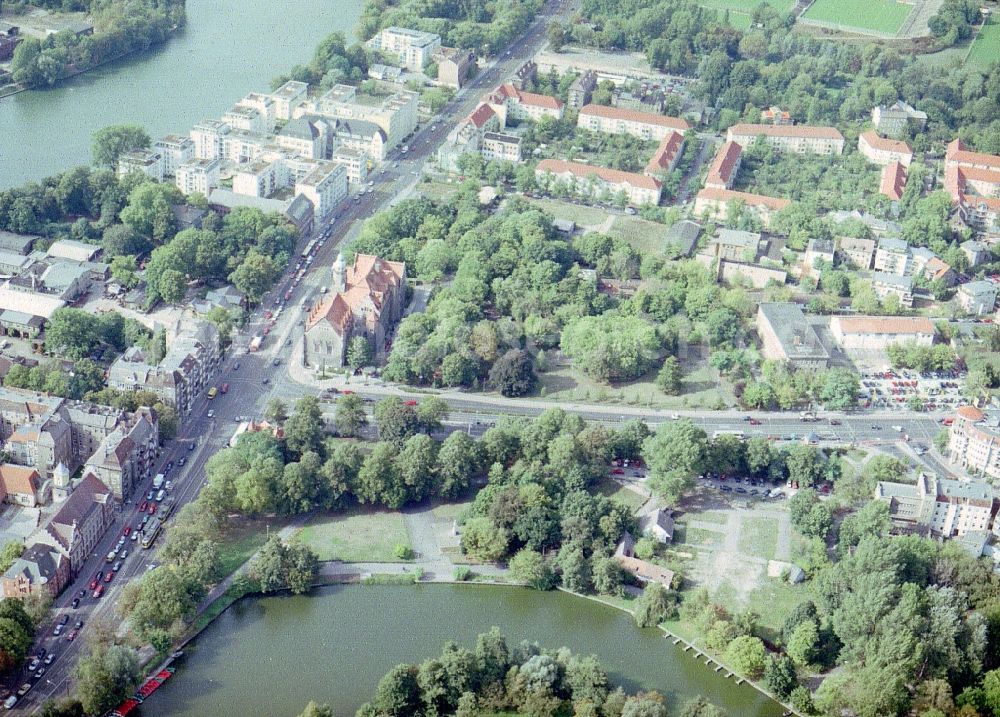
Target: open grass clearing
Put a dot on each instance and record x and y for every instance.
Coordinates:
(709, 516)
(759, 537)
(644, 236)
(699, 537)
(883, 16)
(583, 215)
(620, 493)
(356, 536)
(243, 537)
(986, 48)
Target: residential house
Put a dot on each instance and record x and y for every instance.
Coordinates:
(893, 257)
(366, 299)
(976, 252)
(413, 49)
(682, 239)
(876, 333)
(582, 90)
(643, 125)
(725, 166)
(497, 145)
(977, 297)
(21, 485)
(882, 151)
(737, 245)
(126, 456)
(786, 335)
(973, 180)
(886, 285)
(325, 187)
(716, 202)
(454, 66)
(860, 253)
(76, 528)
(974, 441)
(288, 98)
(642, 570)
(819, 252)
(801, 139)
(659, 525)
(893, 120)
(776, 116)
(589, 180)
(41, 568)
(939, 271)
(175, 151)
(666, 156)
(198, 175)
(385, 73)
(893, 181)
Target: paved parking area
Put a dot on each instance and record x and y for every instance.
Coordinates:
(896, 389)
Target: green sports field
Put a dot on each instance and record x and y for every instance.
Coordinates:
(883, 16)
(986, 49)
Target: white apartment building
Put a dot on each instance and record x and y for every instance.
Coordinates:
(619, 120)
(876, 333)
(145, 161)
(886, 285)
(264, 104)
(945, 508)
(412, 48)
(882, 151)
(175, 150)
(260, 178)
(497, 145)
(288, 97)
(974, 441)
(586, 179)
(198, 175)
(395, 114)
(354, 161)
(978, 297)
(248, 119)
(511, 103)
(208, 137)
(325, 186)
(892, 256)
(304, 136)
(801, 139)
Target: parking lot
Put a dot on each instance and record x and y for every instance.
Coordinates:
(935, 390)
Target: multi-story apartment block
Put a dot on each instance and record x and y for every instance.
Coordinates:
(264, 104)
(893, 181)
(412, 48)
(886, 285)
(354, 161)
(497, 145)
(511, 103)
(976, 252)
(454, 66)
(882, 151)
(944, 508)
(325, 186)
(582, 90)
(801, 139)
(175, 150)
(717, 202)
(41, 569)
(859, 253)
(305, 137)
(876, 333)
(145, 161)
(893, 257)
(208, 137)
(248, 119)
(260, 178)
(287, 99)
(666, 156)
(725, 166)
(468, 135)
(395, 114)
(615, 120)
(75, 529)
(978, 297)
(974, 441)
(198, 175)
(127, 455)
(973, 180)
(359, 136)
(586, 179)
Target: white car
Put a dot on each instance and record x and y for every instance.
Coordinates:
(211, 413)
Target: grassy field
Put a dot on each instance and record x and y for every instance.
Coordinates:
(624, 495)
(242, 540)
(885, 16)
(759, 537)
(739, 10)
(582, 215)
(645, 237)
(986, 48)
(687, 535)
(356, 536)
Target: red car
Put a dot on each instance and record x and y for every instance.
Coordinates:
(127, 531)
(108, 576)
(152, 509)
(142, 506)
(267, 314)
(754, 422)
(71, 635)
(411, 403)
(99, 591)
(618, 472)
(97, 578)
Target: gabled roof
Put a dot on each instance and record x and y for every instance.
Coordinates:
(720, 172)
(957, 153)
(872, 139)
(893, 181)
(971, 413)
(902, 325)
(612, 176)
(627, 115)
(88, 496)
(796, 130)
(20, 480)
(664, 155)
(528, 98)
(481, 115)
(753, 200)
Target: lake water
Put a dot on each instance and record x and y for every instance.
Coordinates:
(267, 657)
(228, 48)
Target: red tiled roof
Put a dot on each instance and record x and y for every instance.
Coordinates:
(797, 130)
(978, 174)
(970, 413)
(666, 152)
(529, 98)
(893, 180)
(612, 176)
(627, 115)
(754, 200)
(883, 144)
(334, 310)
(481, 115)
(936, 268)
(885, 325)
(721, 170)
(957, 153)
(19, 479)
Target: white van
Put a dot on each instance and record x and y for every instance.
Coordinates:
(158, 480)
(161, 495)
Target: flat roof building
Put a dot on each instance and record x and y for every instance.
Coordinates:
(786, 335)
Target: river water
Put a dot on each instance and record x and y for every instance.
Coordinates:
(228, 48)
(267, 657)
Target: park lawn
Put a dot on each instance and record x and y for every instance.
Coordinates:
(885, 16)
(986, 48)
(356, 536)
(439, 191)
(614, 491)
(690, 536)
(774, 601)
(582, 215)
(644, 236)
(242, 539)
(759, 537)
(709, 516)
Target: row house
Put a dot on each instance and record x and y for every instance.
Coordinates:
(126, 457)
(77, 527)
(882, 151)
(667, 155)
(801, 139)
(643, 125)
(586, 179)
(511, 103)
(41, 570)
(974, 441)
(724, 167)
